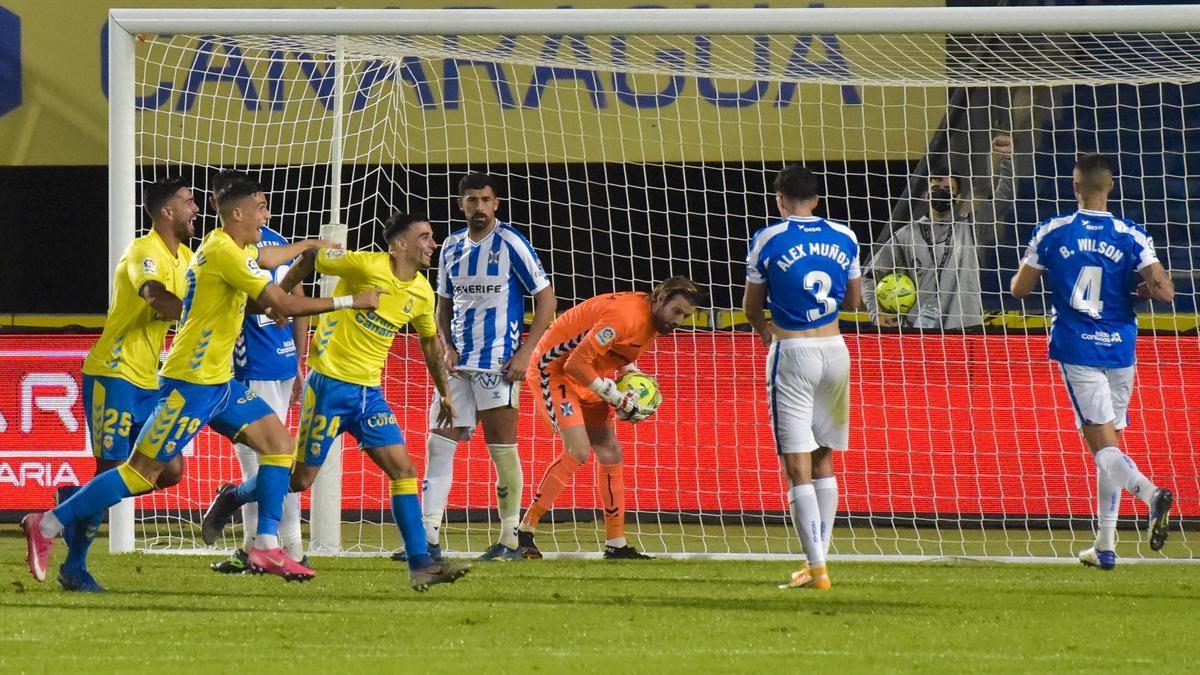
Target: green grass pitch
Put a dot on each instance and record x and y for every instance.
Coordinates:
(169, 613)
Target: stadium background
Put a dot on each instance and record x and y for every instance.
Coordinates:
(53, 144)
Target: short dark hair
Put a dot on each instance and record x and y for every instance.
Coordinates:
(156, 194)
(477, 180)
(398, 223)
(221, 179)
(798, 183)
(678, 285)
(1096, 172)
(235, 189)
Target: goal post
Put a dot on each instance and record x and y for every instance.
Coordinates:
(637, 143)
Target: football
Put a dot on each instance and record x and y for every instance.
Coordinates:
(895, 294)
(649, 397)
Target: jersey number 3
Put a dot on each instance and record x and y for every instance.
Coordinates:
(1085, 297)
(819, 284)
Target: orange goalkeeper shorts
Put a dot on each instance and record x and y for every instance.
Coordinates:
(563, 404)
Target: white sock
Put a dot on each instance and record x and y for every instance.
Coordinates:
(1121, 470)
(248, 459)
(289, 527)
(509, 483)
(827, 501)
(266, 542)
(50, 526)
(808, 523)
(618, 542)
(1108, 507)
(439, 474)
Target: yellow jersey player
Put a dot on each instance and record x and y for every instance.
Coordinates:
(120, 374)
(196, 386)
(343, 394)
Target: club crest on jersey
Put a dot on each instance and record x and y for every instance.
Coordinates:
(149, 266)
(494, 257)
(568, 408)
(408, 305)
(606, 335)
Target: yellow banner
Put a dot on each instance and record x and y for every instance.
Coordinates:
(225, 101)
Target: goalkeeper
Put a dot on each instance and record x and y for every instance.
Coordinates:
(568, 375)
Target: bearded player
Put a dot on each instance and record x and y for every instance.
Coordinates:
(569, 375)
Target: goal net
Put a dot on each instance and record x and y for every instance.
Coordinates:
(630, 152)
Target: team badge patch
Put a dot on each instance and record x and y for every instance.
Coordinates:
(252, 265)
(149, 266)
(333, 253)
(567, 408)
(408, 305)
(494, 257)
(606, 335)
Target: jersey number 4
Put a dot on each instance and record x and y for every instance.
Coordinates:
(1085, 297)
(819, 284)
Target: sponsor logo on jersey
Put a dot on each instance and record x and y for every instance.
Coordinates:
(333, 253)
(252, 265)
(149, 266)
(478, 289)
(1102, 337)
(606, 335)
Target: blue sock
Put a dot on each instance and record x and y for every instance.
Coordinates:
(79, 537)
(406, 511)
(248, 491)
(93, 499)
(270, 489)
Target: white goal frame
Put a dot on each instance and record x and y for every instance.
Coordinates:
(124, 26)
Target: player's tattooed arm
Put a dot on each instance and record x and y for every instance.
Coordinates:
(1156, 284)
(164, 302)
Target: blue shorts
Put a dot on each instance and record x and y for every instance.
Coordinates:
(115, 410)
(332, 406)
(183, 408)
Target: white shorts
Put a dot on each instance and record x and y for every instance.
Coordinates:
(808, 392)
(472, 391)
(276, 393)
(1099, 395)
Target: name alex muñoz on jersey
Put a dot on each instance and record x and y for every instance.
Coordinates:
(265, 350)
(1089, 262)
(487, 282)
(806, 263)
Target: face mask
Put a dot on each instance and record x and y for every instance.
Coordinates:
(941, 200)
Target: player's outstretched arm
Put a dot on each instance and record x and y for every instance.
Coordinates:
(270, 257)
(544, 304)
(431, 349)
(1025, 281)
(1157, 284)
(284, 304)
(162, 301)
(753, 305)
(298, 272)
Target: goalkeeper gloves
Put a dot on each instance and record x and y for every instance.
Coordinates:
(624, 402)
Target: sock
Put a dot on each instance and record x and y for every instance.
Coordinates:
(247, 492)
(406, 511)
(274, 474)
(809, 523)
(827, 500)
(289, 527)
(1121, 470)
(94, 498)
(510, 482)
(552, 486)
(1108, 507)
(612, 498)
(248, 458)
(439, 475)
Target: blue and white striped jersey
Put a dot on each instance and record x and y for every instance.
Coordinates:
(1090, 261)
(487, 282)
(806, 262)
(265, 351)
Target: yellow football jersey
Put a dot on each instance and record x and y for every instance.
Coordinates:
(352, 345)
(133, 332)
(221, 276)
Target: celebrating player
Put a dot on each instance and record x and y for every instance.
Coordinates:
(343, 392)
(1088, 259)
(266, 360)
(120, 374)
(195, 385)
(569, 376)
(484, 273)
(803, 267)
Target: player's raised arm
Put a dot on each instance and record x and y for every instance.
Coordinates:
(270, 257)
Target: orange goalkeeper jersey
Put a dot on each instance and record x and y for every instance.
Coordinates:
(594, 338)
